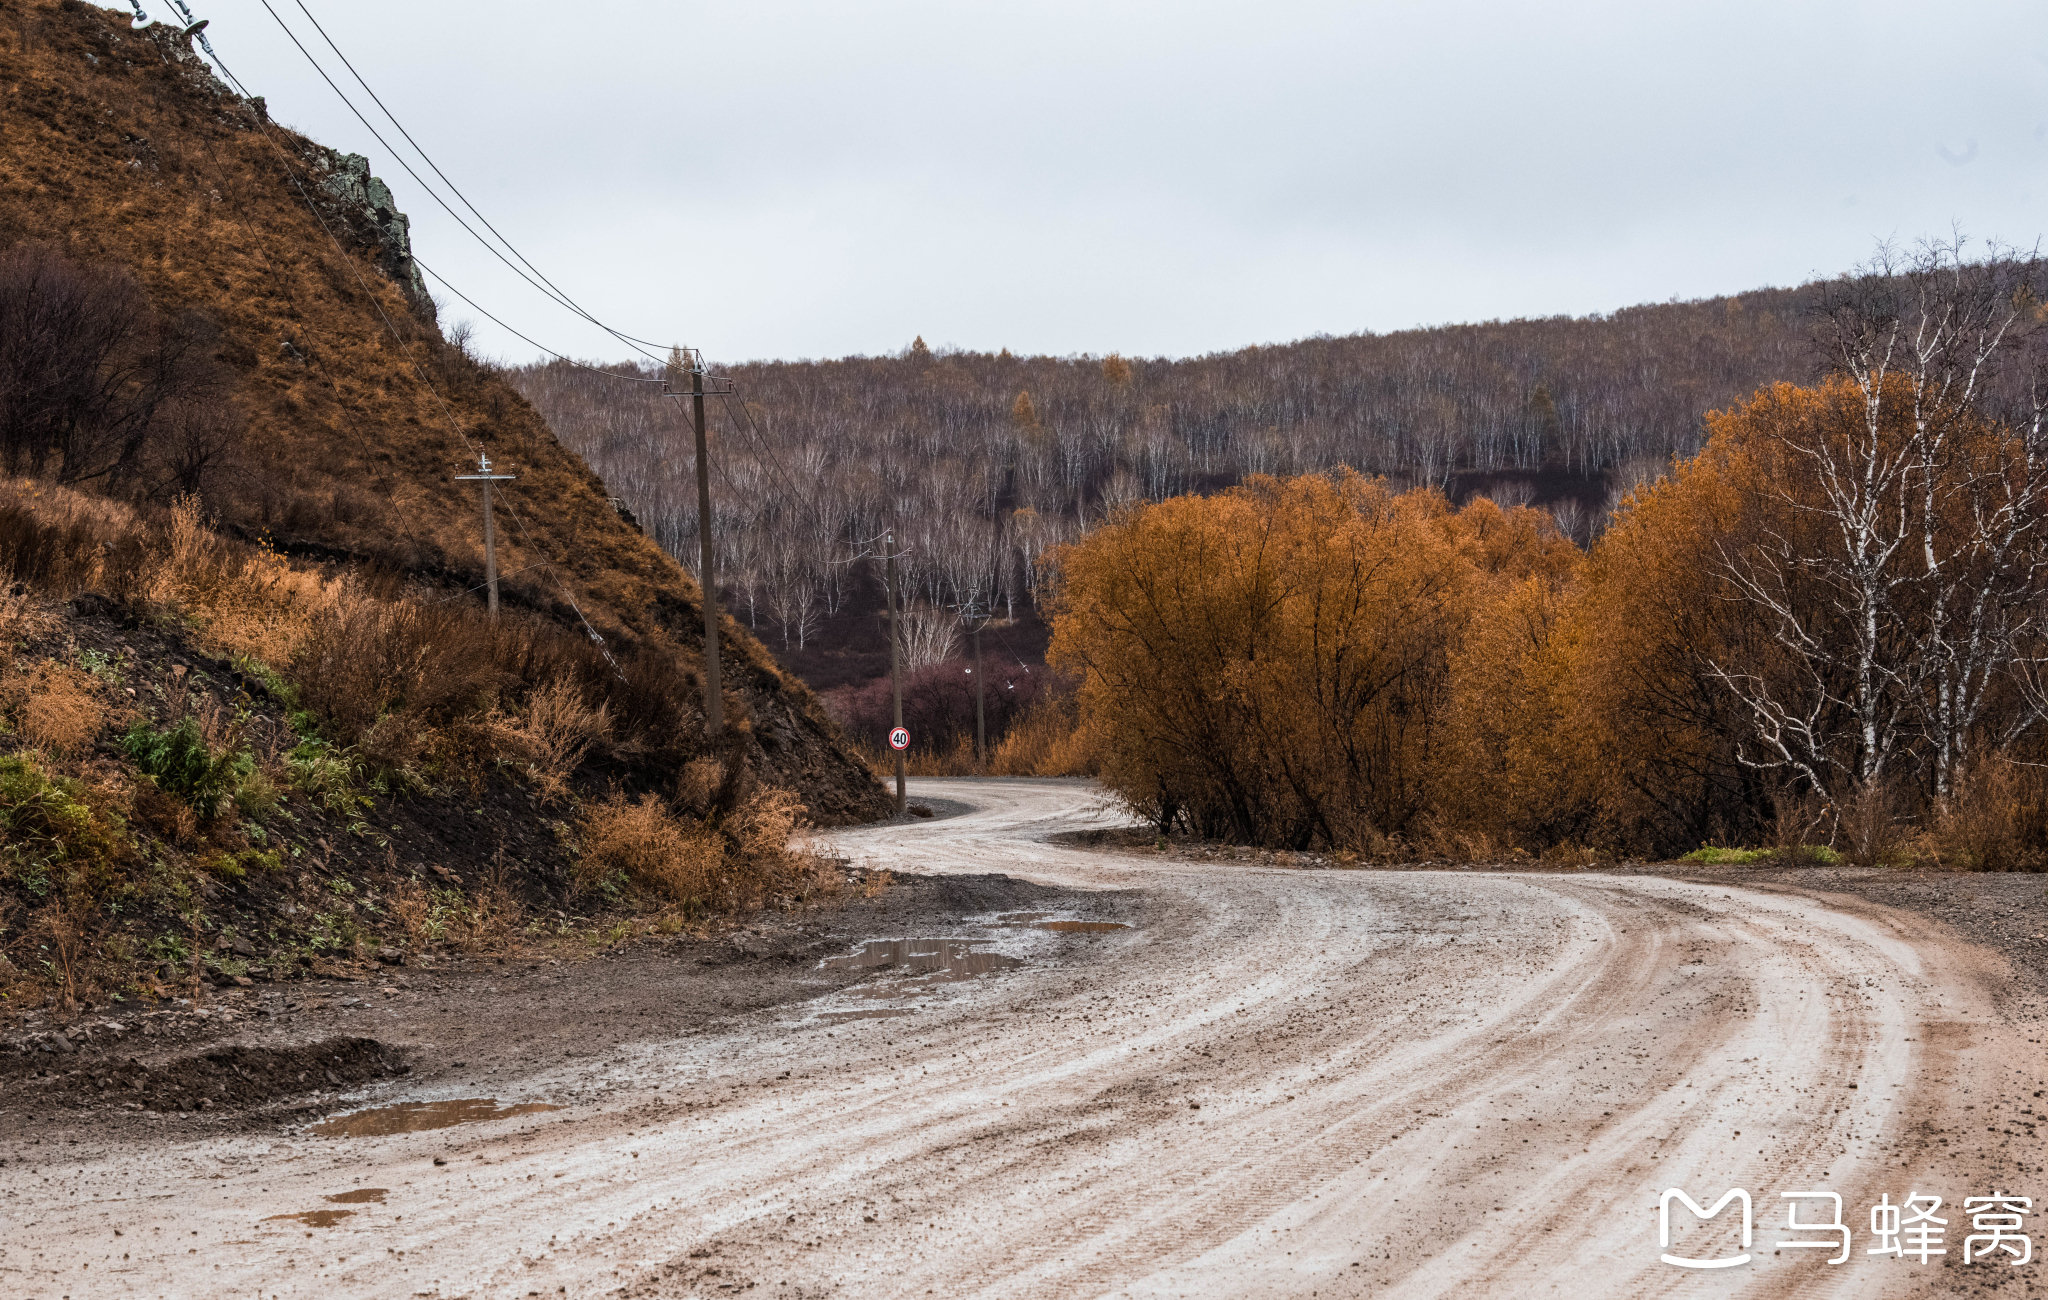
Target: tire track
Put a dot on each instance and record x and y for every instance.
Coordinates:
(1283, 1083)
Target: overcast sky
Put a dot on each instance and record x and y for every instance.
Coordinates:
(772, 179)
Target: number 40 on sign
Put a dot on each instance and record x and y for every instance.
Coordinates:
(899, 739)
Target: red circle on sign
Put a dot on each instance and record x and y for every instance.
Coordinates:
(899, 739)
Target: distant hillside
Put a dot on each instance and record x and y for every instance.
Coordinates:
(985, 463)
(311, 399)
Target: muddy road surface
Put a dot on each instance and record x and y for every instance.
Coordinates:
(1270, 1081)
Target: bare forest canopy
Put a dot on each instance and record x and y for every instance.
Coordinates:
(984, 463)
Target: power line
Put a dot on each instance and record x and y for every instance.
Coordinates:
(443, 281)
(363, 284)
(565, 299)
(432, 192)
(454, 424)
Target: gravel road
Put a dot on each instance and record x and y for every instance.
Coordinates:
(1275, 1082)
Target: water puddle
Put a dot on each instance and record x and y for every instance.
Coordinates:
(930, 960)
(420, 1116)
(1043, 921)
(314, 1218)
(361, 1196)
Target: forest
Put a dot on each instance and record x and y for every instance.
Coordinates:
(1823, 634)
(985, 464)
(1754, 570)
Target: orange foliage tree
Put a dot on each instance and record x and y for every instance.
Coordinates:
(1275, 664)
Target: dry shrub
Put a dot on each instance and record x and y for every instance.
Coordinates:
(411, 906)
(698, 784)
(742, 860)
(1437, 841)
(23, 617)
(1997, 820)
(553, 733)
(62, 713)
(64, 931)
(1870, 822)
(168, 816)
(1798, 821)
(490, 921)
(1047, 741)
(429, 918)
(639, 847)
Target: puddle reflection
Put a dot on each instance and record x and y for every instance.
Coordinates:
(420, 1116)
(1042, 921)
(929, 959)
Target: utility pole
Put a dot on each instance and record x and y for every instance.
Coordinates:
(895, 653)
(487, 478)
(974, 626)
(680, 359)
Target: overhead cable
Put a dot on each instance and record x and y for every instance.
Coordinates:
(561, 294)
(554, 295)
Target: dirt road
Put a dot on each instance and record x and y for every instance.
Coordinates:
(1277, 1082)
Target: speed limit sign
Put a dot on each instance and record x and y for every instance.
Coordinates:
(899, 739)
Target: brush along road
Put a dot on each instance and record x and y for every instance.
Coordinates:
(1276, 1082)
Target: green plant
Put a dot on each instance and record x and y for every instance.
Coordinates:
(47, 824)
(256, 797)
(280, 690)
(103, 666)
(335, 931)
(331, 776)
(234, 866)
(182, 764)
(1714, 855)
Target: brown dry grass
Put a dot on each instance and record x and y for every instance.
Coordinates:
(553, 733)
(644, 853)
(638, 845)
(1997, 820)
(62, 713)
(357, 455)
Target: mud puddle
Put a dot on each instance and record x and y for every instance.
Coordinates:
(421, 1116)
(1047, 921)
(360, 1196)
(313, 1218)
(931, 960)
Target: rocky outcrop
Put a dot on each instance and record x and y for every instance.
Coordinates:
(366, 201)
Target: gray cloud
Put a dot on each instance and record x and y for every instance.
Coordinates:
(784, 179)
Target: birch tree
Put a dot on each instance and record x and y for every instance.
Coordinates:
(1895, 552)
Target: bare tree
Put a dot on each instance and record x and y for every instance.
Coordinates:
(1897, 555)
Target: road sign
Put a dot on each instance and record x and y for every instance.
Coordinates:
(899, 739)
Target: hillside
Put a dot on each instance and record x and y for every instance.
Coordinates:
(985, 463)
(324, 411)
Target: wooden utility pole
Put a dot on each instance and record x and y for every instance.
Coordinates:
(487, 478)
(895, 651)
(980, 724)
(680, 359)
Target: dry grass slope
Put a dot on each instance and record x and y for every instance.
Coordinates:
(122, 150)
